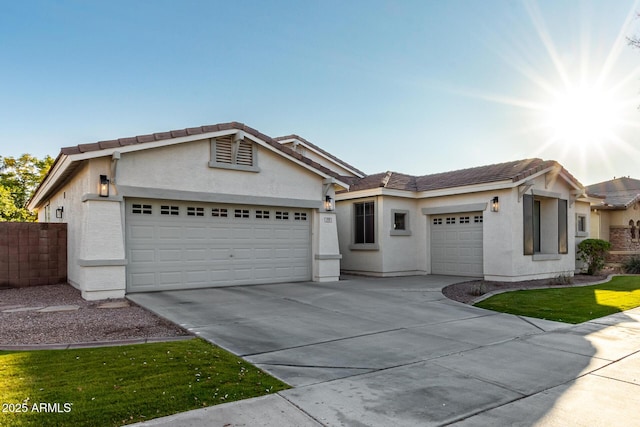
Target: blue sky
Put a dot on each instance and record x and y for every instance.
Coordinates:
(411, 86)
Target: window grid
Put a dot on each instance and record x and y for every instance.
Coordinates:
(241, 213)
(437, 221)
(477, 219)
(282, 215)
(141, 209)
(300, 216)
(263, 214)
(195, 211)
(364, 232)
(450, 220)
(219, 212)
(465, 220)
(169, 210)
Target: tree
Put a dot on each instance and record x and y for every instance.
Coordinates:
(19, 177)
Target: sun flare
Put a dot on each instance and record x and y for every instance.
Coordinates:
(582, 116)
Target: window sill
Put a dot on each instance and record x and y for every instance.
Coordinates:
(581, 234)
(546, 257)
(364, 247)
(400, 233)
(243, 168)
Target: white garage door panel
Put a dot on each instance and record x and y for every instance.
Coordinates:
(456, 244)
(188, 251)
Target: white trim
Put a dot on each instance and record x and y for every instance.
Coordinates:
(441, 210)
(328, 256)
(98, 198)
(321, 154)
(49, 182)
(165, 194)
(543, 193)
(102, 262)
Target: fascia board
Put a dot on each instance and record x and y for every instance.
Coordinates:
(180, 140)
(321, 154)
(152, 144)
(475, 188)
(381, 191)
(50, 181)
(324, 156)
(296, 161)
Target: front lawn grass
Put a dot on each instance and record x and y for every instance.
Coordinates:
(570, 305)
(111, 386)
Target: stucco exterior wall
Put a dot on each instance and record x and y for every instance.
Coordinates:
(185, 167)
(549, 263)
(354, 260)
(503, 231)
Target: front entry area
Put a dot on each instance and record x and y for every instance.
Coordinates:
(456, 244)
(182, 245)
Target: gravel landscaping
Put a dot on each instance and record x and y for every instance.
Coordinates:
(58, 314)
(469, 292)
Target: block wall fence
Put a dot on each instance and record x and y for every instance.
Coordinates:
(32, 254)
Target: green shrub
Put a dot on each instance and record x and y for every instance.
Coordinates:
(593, 252)
(631, 265)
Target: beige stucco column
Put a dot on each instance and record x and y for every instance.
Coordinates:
(101, 259)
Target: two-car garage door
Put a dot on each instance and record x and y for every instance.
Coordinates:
(456, 244)
(181, 245)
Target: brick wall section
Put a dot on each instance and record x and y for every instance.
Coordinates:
(32, 254)
(623, 246)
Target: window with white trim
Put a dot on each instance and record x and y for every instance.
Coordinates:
(581, 225)
(464, 220)
(450, 220)
(400, 224)
(437, 221)
(262, 214)
(364, 223)
(477, 219)
(299, 216)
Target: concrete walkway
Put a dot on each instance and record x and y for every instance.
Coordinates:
(380, 352)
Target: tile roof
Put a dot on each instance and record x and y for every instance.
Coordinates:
(161, 136)
(619, 193)
(512, 171)
(315, 147)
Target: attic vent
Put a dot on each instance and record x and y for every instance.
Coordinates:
(245, 154)
(224, 150)
(234, 152)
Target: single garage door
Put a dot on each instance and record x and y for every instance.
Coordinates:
(181, 245)
(456, 244)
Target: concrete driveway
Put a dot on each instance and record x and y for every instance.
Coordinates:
(395, 351)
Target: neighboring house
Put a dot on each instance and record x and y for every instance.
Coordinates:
(227, 205)
(511, 221)
(198, 207)
(615, 216)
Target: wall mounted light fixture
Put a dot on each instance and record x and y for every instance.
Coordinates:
(495, 204)
(328, 203)
(59, 211)
(104, 186)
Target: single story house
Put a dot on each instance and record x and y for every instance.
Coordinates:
(198, 207)
(512, 221)
(615, 216)
(227, 205)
